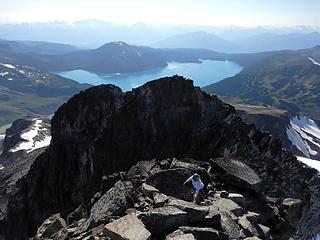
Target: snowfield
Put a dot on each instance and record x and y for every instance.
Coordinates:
(304, 134)
(2, 74)
(311, 163)
(314, 61)
(7, 65)
(29, 144)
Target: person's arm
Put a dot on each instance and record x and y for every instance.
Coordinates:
(188, 180)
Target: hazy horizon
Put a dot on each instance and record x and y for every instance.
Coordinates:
(244, 13)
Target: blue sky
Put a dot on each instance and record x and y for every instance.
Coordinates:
(172, 12)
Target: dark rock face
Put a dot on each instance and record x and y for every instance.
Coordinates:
(102, 130)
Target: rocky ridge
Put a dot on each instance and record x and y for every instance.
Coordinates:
(103, 132)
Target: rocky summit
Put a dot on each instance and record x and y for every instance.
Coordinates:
(117, 162)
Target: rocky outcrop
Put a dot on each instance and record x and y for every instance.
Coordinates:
(104, 131)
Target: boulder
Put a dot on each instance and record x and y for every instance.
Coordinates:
(141, 169)
(50, 227)
(160, 199)
(128, 227)
(226, 205)
(229, 226)
(252, 238)
(236, 173)
(114, 202)
(181, 236)
(201, 233)
(191, 164)
(164, 219)
(248, 228)
(195, 212)
(291, 207)
(213, 217)
(149, 190)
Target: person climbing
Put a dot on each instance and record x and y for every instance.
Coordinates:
(197, 184)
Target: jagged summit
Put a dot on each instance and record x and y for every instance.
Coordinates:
(103, 131)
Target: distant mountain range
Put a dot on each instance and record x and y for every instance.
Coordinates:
(256, 43)
(287, 80)
(242, 39)
(36, 47)
(28, 91)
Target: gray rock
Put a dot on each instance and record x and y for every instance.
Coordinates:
(204, 233)
(248, 228)
(128, 227)
(50, 227)
(237, 173)
(182, 236)
(163, 220)
(149, 190)
(114, 202)
(142, 168)
(229, 226)
(252, 238)
(160, 199)
(195, 212)
(190, 164)
(226, 205)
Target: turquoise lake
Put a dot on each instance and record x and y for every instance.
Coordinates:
(202, 74)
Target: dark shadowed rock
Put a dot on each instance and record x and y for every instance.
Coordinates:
(114, 202)
(292, 208)
(170, 182)
(50, 227)
(204, 233)
(237, 173)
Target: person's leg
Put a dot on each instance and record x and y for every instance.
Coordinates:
(195, 196)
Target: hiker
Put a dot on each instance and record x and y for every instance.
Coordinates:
(197, 184)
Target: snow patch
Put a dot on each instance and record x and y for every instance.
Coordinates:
(1, 167)
(10, 79)
(29, 144)
(8, 65)
(302, 132)
(2, 74)
(314, 61)
(20, 71)
(310, 162)
(139, 54)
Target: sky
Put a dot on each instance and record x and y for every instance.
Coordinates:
(166, 12)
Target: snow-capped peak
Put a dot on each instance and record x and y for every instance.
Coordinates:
(314, 61)
(304, 134)
(31, 140)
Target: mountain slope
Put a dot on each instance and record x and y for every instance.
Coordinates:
(103, 131)
(299, 134)
(289, 81)
(36, 47)
(198, 40)
(23, 142)
(27, 91)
